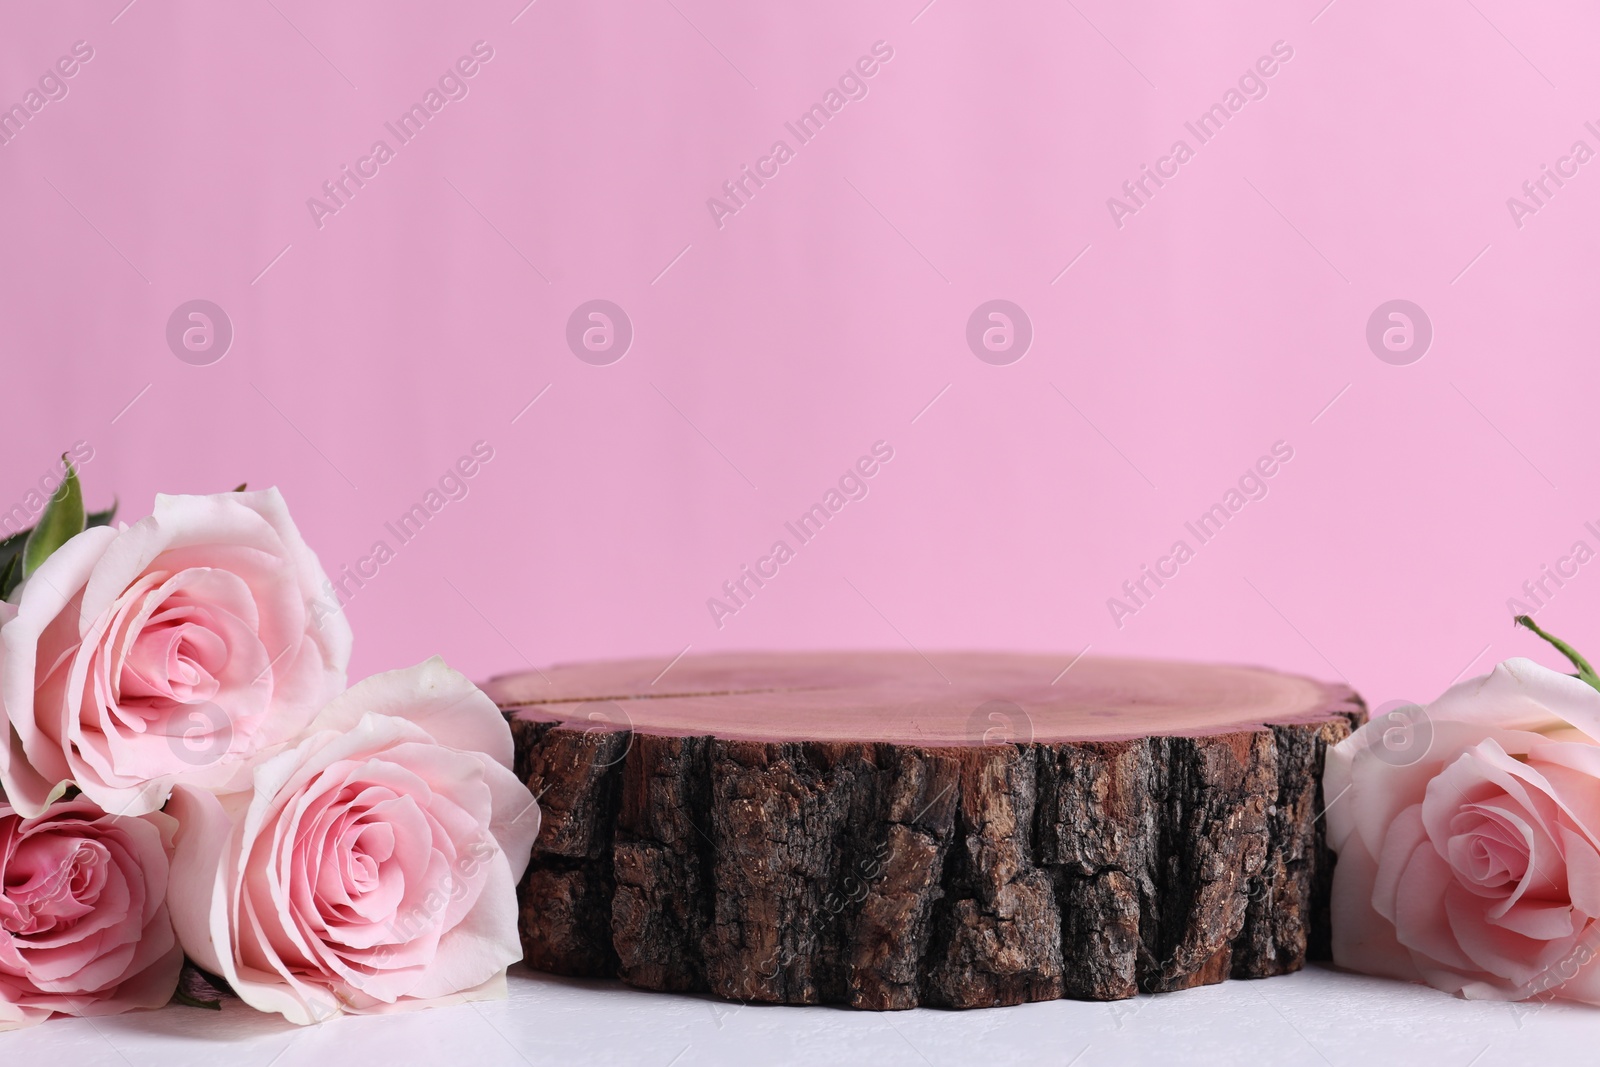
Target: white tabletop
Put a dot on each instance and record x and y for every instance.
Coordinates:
(1317, 1017)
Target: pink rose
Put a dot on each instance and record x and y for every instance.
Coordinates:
(375, 865)
(83, 913)
(173, 650)
(1468, 839)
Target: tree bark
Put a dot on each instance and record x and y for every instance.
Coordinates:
(887, 831)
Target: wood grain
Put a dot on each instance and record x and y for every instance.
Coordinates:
(885, 830)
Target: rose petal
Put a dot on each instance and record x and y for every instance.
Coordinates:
(86, 929)
(1363, 938)
(375, 863)
(1519, 694)
(443, 701)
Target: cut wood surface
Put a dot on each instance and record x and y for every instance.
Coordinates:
(888, 830)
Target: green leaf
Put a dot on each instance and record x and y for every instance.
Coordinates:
(11, 547)
(241, 487)
(102, 518)
(63, 519)
(9, 576)
(1585, 672)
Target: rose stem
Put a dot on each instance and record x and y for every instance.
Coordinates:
(1585, 672)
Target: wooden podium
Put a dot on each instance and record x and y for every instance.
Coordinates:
(885, 831)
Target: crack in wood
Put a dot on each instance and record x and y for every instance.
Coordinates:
(888, 875)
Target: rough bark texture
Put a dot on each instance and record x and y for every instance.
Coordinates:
(887, 875)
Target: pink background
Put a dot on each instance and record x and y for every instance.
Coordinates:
(370, 353)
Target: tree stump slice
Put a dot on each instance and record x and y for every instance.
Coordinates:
(885, 830)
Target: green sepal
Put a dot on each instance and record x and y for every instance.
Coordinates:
(180, 997)
(200, 988)
(101, 518)
(63, 519)
(9, 576)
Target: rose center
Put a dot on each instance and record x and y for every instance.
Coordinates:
(1490, 848)
(1493, 863)
(361, 871)
(51, 882)
(174, 660)
(356, 863)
